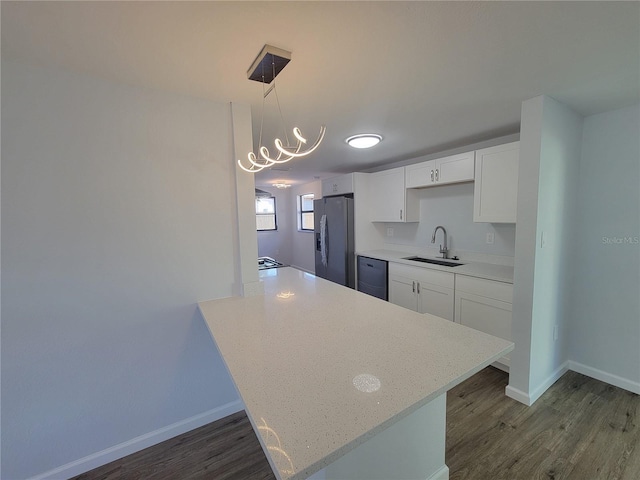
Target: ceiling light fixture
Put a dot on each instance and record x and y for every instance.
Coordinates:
(281, 185)
(264, 69)
(364, 140)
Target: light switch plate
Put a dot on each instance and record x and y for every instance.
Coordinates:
(389, 232)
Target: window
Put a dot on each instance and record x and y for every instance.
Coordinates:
(305, 212)
(266, 213)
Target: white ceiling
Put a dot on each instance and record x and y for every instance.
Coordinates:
(428, 76)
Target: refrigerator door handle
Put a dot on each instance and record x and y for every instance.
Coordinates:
(323, 239)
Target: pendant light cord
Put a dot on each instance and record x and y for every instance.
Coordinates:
(275, 90)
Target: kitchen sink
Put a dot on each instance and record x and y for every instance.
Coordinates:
(435, 261)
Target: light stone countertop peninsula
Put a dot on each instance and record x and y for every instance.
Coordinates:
(490, 271)
(322, 369)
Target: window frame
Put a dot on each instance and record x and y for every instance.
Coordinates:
(275, 215)
(301, 211)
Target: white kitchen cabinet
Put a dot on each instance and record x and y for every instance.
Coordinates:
(422, 289)
(339, 185)
(495, 193)
(389, 200)
(484, 305)
(402, 291)
(441, 171)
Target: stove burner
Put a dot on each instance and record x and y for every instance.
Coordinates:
(267, 262)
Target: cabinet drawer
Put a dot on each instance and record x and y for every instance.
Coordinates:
(486, 288)
(423, 274)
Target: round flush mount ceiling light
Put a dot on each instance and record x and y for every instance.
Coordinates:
(364, 140)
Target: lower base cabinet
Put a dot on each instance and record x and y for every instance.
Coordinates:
(422, 290)
(478, 303)
(485, 305)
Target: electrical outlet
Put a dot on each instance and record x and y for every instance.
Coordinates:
(389, 232)
(555, 332)
(490, 238)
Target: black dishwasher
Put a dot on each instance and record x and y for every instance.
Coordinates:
(372, 277)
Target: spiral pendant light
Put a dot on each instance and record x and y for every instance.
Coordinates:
(264, 69)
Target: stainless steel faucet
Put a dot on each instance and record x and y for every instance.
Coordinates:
(443, 250)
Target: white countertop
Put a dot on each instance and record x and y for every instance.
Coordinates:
(294, 361)
(490, 271)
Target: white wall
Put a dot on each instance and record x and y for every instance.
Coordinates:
(550, 147)
(605, 328)
(245, 253)
(452, 207)
(116, 220)
(302, 242)
(524, 262)
(579, 184)
(277, 243)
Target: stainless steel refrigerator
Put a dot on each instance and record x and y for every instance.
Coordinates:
(333, 225)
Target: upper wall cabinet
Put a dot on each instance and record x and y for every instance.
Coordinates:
(389, 200)
(340, 185)
(441, 171)
(496, 184)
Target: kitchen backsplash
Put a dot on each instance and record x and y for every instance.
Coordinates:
(452, 207)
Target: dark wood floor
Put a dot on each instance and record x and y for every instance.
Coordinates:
(580, 429)
(224, 450)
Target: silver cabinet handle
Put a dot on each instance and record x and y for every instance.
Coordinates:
(418, 288)
(432, 175)
(436, 174)
(414, 287)
(400, 214)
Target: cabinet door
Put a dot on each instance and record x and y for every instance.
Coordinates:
(435, 300)
(338, 185)
(387, 196)
(455, 169)
(495, 193)
(402, 291)
(421, 174)
(485, 314)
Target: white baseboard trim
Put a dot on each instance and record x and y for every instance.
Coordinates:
(441, 474)
(528, 398)
(606, 377)
(517, 395)
(553, 378)
(139, 443)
